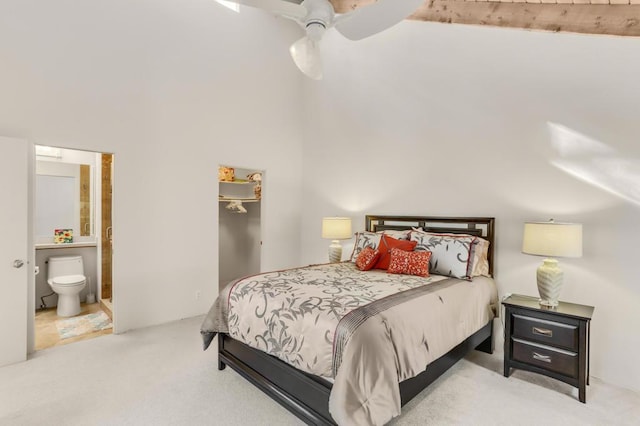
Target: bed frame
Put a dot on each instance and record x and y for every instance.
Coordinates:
(306, 395)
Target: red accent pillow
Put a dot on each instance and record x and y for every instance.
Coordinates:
(386, 244)
(367, 258)
(409, 262)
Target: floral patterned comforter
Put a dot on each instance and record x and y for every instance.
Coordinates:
(324, 320)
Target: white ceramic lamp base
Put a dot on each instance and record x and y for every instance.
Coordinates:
(550, 278)
(335, 251)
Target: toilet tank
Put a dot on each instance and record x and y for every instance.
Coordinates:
(64, 265)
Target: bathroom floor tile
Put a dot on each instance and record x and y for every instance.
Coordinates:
(47, 334)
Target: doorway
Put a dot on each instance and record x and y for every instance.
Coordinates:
(68, 217)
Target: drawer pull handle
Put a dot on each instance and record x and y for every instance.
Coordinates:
(543, 358)
(542, 332)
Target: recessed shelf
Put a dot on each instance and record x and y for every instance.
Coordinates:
(239, 182)
(244, 200)
(79, 244)
(238, 189)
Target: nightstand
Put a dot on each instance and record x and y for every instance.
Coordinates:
(550, 341)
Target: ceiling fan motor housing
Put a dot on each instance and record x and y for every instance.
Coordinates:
(315, 29)
(319, 17)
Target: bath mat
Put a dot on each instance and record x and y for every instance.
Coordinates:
(76, 326)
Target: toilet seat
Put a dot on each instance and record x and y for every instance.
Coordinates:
(69, 280)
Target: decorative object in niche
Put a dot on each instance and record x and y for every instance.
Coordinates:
(236, 206)
(257, 178)
(226, 174)
(62, 236)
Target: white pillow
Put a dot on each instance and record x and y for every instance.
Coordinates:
(398, 235)
(450, 254)
(365, 239)
(477, 260)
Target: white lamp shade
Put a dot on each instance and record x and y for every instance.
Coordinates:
(552, 239)
(336, 228)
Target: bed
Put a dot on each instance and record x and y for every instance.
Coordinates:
(324, 392)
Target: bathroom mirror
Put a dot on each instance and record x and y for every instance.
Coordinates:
(63, 198)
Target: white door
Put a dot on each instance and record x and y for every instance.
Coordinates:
(14, 250)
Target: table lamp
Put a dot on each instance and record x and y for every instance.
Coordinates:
(551, 239)
(336, 228)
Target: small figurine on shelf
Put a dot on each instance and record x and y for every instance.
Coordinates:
(226, 174)
(257, 178)
(63, 236)
(236, 206)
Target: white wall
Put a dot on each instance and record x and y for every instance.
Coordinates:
(173, 89)
(437, 119)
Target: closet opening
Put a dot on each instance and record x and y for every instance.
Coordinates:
(240, 195)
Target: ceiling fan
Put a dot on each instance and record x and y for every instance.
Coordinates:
(317, 16)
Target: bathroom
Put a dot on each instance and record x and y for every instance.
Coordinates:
(68, 221)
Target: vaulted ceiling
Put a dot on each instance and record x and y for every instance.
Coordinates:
(614, 17)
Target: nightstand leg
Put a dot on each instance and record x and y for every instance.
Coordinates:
(507, 367)
(588, 348)
(583, 361)
(507, 341)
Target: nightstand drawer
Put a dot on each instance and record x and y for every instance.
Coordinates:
(552, 359)
(546, 332)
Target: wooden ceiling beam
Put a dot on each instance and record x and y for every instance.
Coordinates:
(611, 19)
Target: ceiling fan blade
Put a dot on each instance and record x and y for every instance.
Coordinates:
(369, 20)
(279, 7)
(306, 55)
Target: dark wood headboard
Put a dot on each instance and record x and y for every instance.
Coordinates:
(480, 226)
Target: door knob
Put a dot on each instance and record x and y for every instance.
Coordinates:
(18, 263)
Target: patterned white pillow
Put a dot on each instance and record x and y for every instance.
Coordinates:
(450, 254)
(398, 235)
(364, 239)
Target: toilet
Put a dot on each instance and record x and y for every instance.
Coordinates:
(66, 278)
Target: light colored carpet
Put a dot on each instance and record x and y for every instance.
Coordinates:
(160, 376)
(83, 324)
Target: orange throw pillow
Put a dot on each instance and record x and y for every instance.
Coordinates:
(367, 258)
(409, 262)
(386, 244)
